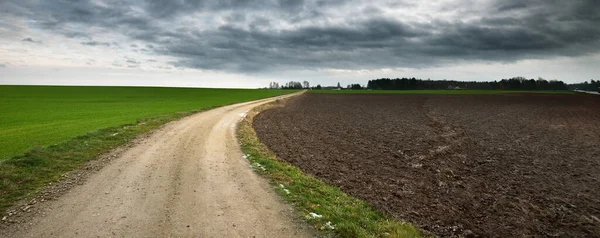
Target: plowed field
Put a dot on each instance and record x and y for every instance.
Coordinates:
(471, 165)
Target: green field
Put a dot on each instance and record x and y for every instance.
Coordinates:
(35, 116)
(436, 91)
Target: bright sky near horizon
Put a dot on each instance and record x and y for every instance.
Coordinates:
(242, 43)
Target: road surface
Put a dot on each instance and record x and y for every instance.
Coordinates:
(187, 179)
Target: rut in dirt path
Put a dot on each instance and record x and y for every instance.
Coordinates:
(449, 138)
(187, 179)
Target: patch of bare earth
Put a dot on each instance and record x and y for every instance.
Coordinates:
(456, 165)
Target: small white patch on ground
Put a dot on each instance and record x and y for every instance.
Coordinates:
(284, 189)
(256, 165)
(313, 215)
(328, 226)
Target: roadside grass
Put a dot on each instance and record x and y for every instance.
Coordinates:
(438, 91)
(348, 216)
(45, 115)
(23, 176)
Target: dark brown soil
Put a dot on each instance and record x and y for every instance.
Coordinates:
(456, 165)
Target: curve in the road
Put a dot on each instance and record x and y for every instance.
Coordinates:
(187, 179)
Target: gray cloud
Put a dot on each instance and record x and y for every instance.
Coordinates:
(169, 9)
(250, 36)
(131, 62)
(95, 43)
(2, 65)
(31, 40)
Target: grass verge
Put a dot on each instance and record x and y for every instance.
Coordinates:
(342, 215)
(24, 175)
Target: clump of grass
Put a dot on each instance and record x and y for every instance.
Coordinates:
(348, 216)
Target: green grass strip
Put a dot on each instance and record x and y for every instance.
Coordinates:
(349, 216)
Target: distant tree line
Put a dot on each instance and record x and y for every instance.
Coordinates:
(516, 83)
(591, 86)
(355, 86)
(290, 85)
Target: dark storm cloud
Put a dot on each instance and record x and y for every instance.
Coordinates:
(512, 6)
(245, 36)
(542, 28)
(309, 47)
(169, 8)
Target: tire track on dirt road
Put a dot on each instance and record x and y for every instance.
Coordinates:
(187, 179)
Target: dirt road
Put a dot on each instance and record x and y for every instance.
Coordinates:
(187, 179)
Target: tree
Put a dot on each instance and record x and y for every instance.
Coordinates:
(355, 86)
(318, 86)
(306, 84)
(273, 85)
(292, 85)
(338, 85)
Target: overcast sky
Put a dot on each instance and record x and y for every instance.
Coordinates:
(243, 43)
